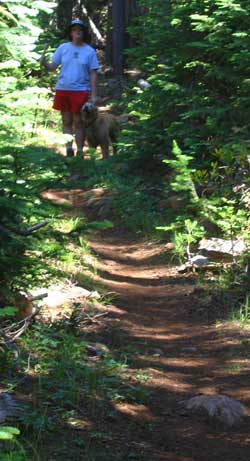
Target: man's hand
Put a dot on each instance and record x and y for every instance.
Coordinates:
(42, 60)
(50, 66)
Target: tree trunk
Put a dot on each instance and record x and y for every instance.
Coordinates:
(118, 21)
(64, 13)
(131, 12)
(77, 9)
(109, 35)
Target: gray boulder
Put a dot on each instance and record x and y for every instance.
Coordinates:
(217, 248)
(228, 411)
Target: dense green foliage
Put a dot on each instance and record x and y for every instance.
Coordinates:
(24, 107)
(196, 57)
(188, 139)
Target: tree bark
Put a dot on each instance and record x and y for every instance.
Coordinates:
(64, 13)
(131, 12)
(118, 21)
(77, 9)
(109, 44)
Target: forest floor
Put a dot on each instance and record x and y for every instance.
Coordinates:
(165, 328)
(162, 340)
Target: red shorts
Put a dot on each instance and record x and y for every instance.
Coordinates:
(70, 101)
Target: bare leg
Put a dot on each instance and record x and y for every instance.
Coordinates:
(80, 133)
(67, 123)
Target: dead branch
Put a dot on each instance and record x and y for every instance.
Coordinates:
(14, 331)
(8, 343)
(34, 228)
(38, 297)
(93, 319)
(25, 232)
(93, 27)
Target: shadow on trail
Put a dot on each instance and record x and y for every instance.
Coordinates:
(165, 336)
(169, 341)
(134, 414)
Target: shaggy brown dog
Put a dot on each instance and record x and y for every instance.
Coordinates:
(101, 129)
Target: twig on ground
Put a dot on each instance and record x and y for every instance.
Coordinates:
(34, 228)
(10, 336)
(26, 323)
(94, 318)
(38, 297)
(8, 343)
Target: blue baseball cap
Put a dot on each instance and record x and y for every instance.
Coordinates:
(78, 22)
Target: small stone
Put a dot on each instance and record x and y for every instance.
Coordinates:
(94, 295)
(97, 350)
(143, 84)
(184, 268)
(158, 352)
(197, 262)
(93, 352)
(200, 261)
(64, 295)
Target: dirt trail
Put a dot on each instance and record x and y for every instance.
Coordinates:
(162, 319)
(166, 329)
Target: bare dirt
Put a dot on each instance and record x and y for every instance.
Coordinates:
(183, 355)
(165, 328)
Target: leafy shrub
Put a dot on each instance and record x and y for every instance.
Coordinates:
(196, 57)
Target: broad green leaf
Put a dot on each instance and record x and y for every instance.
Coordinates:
(11, 430)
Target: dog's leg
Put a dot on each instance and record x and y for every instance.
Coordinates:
(113, 139)
(105, 150)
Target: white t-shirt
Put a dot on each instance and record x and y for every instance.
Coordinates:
(76, 63)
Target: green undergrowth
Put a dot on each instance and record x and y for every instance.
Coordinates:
(135, 199)
(206, 206)
(34, 259)
(72, 392)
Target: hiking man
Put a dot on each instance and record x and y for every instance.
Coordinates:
(76, 81)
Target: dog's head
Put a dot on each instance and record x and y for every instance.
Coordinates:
(89, 113)
(88, 107)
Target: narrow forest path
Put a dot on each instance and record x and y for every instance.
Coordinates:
(160, 323)
(164, 328)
